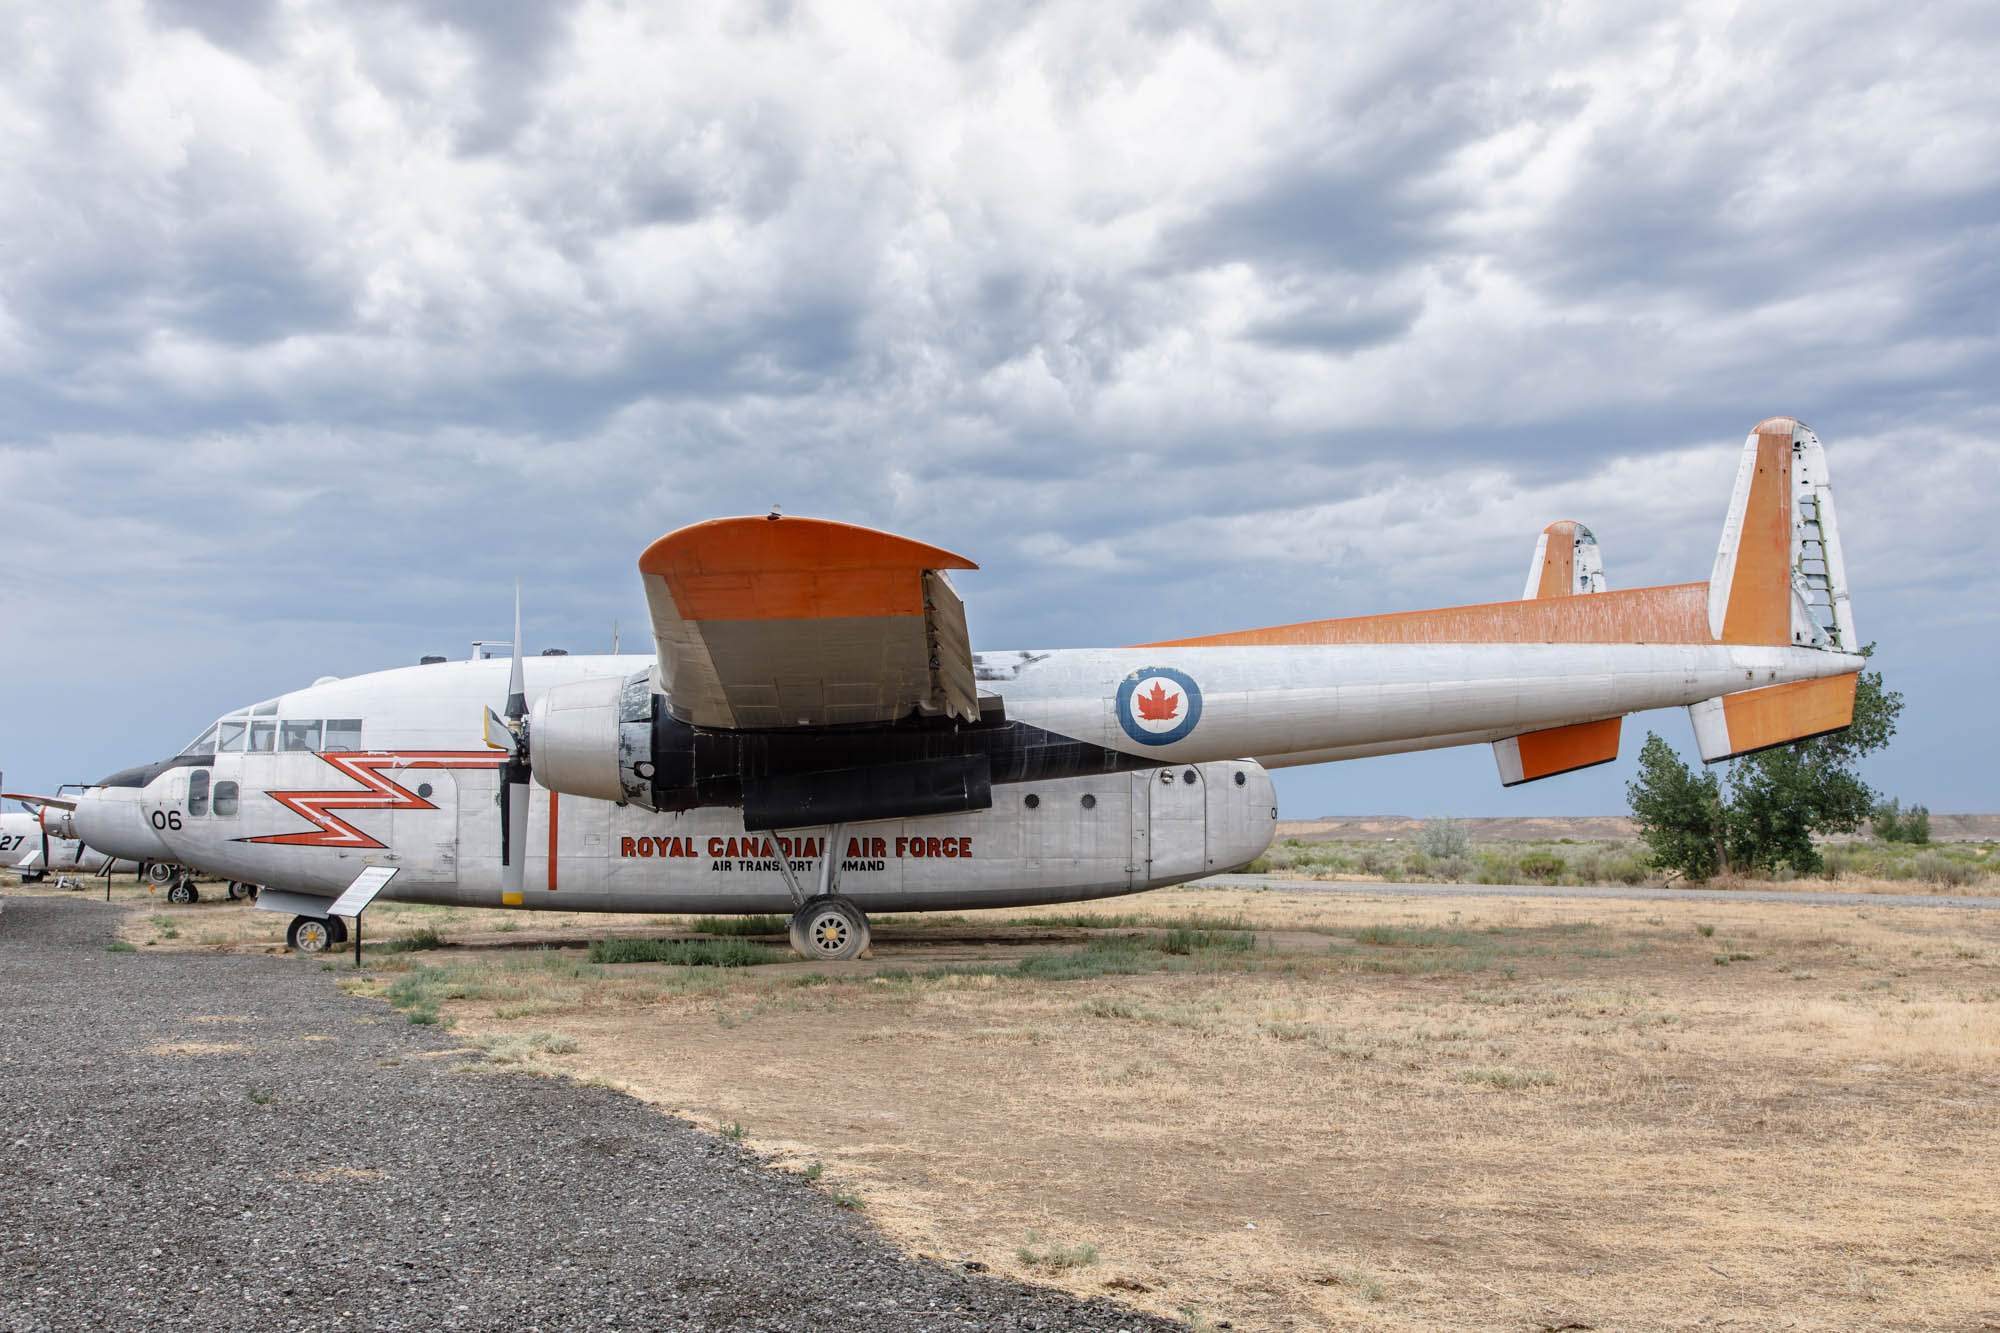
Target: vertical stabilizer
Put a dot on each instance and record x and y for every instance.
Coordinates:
(1779, 577)
(1566, 562)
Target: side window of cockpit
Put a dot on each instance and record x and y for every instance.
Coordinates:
(263, 737)
(225, 800)
(343, 734)
(230, 734)
(202, 744)
(295, 734)
(198, 792)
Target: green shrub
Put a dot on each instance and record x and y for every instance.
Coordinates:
(1443, 838)
(1546, 867)
(1945, 871)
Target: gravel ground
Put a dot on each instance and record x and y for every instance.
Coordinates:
(311, 1168)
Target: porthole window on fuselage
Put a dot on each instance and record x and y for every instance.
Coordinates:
(198, 792)
(225, 799)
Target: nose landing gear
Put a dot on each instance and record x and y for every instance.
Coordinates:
(315, 934)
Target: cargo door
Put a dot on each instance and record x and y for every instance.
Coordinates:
(1177, 823)
(425, 840)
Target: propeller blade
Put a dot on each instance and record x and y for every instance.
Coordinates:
(517, 699)
(500, 736)
(513, 839)
(514, 773)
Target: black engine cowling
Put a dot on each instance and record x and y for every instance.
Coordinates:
(615, 739)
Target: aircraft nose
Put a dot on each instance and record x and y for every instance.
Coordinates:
(109, 819)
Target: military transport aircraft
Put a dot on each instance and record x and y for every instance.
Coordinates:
(38, 841)
(816, 736)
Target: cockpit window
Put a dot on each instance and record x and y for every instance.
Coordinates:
(263, 737)
(343, 734)
(202, 744)
(230, 733)
(298, 735)
(198, 792)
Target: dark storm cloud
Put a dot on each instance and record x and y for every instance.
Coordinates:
(329, 321)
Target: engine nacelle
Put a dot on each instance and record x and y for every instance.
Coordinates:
(615, 739)
(594, 738)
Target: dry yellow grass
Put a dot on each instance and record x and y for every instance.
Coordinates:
(1402, 1115)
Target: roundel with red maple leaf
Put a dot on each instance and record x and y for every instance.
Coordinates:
(1158, 705)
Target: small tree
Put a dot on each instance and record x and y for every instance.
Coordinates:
(1679, 812)
(1917, 825)
(1887, 820)
(1778, 799)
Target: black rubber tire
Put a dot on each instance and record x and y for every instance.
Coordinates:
(339, 928)
(829, 930)
(309, 934)
(183, 892)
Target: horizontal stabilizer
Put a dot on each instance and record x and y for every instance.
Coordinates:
(1543, 754)
(1739, 724)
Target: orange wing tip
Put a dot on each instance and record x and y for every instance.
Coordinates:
(767, 544)
(1740, 724)
(1543, 754)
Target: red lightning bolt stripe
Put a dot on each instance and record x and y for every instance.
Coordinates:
(379, 793)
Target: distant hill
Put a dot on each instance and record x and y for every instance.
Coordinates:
(1583, 828)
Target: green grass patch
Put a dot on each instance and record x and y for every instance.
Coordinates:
(1511, 1079)
(1055, 1256)
(120, 946)
(740, 925)
(684, 953)
(417, 941)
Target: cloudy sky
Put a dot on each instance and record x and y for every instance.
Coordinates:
(319, 323)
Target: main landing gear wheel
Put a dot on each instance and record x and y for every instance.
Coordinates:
(238, 889)
(829, 929)
(310, 934)
(159, 874)
(183, 892)
(339, 929)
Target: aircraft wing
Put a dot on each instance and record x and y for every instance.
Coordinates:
(799, 622)
(34, 802)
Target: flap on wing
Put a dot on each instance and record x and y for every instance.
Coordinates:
(784, 622)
